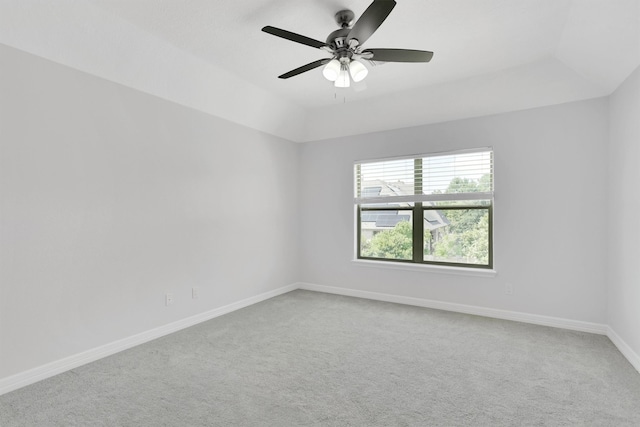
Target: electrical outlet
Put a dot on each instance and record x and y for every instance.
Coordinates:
(168, 299)
(508, 289)
(195, 293)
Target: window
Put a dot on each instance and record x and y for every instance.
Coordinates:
(428, 209)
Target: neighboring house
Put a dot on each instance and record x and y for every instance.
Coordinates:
(373, 222)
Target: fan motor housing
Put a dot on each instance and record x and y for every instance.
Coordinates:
(338, 38)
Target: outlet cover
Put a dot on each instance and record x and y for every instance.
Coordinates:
(508, 289)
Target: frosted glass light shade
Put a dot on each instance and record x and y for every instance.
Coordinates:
(343, 79)
(331, 70)
(358, 70)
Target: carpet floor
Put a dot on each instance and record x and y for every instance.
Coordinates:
(314, 359)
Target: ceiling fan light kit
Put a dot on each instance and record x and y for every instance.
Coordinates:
(339, 72)
(345, 46)
(331, 70)
(358, 70)
(343, 78)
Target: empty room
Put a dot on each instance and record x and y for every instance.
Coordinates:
(310, 213)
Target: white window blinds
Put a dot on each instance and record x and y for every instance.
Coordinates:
(460, 175)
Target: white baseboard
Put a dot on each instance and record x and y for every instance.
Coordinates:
(624, 348)
(34, 375)
(575, 325)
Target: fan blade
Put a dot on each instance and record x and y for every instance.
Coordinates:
(304, 68)
(399, 55)
(370, 20)
(293, 37)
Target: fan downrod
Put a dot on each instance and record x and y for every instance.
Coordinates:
(344, 18)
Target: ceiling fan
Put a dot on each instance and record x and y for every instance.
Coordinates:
(345, 46)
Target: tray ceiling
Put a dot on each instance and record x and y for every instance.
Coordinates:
(491, 56)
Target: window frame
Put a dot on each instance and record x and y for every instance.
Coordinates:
(418, 209)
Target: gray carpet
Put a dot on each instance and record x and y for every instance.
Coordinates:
(308, 359)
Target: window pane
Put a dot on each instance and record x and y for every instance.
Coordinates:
(383, 179)
(463, 236)
(386, 234)
(458, 173)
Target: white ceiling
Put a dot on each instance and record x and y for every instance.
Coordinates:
(491, 56)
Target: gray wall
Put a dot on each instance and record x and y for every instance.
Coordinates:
(550, 219)
(624, 210)
(111, 198)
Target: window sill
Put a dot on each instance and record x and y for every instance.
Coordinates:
(438, 269)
